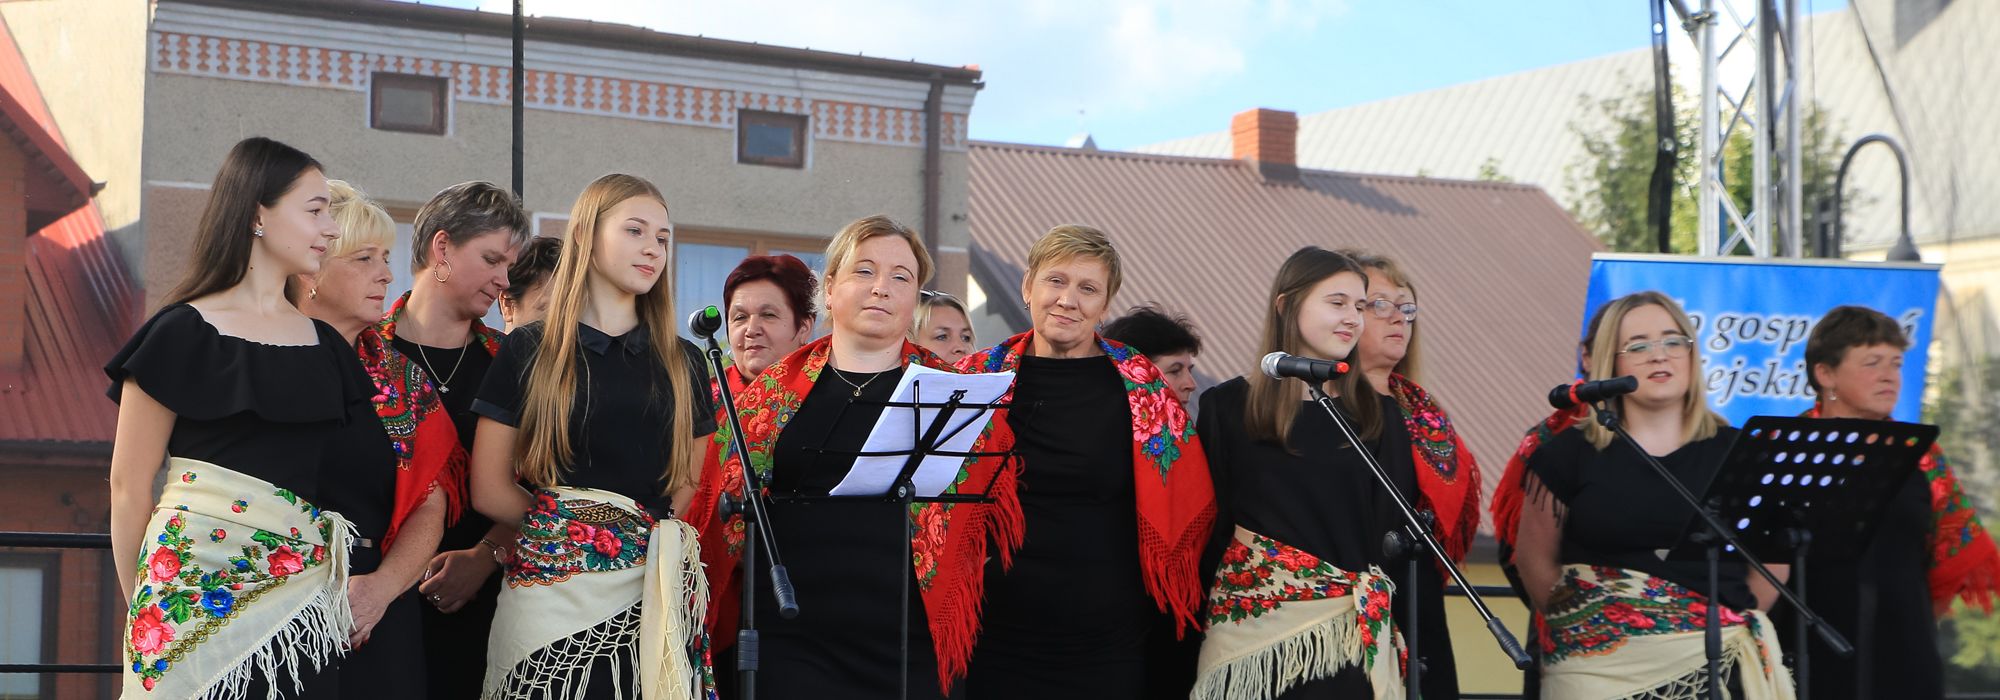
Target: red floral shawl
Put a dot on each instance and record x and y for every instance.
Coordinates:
(426, 442)
(1176, 499)
(950, 540)
(1964, 562)
(1509, 495)
(1447, 475)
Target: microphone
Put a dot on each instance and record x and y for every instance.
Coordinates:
(1279, 365)
(1574, 393)
(704, 322)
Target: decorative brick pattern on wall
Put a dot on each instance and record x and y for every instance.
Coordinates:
(310, 66)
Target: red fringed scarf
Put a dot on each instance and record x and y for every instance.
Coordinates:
(1964, 562)
(1447, 475)
(1176, 499)
(950, 541)
(428, 454)
(1509, 495)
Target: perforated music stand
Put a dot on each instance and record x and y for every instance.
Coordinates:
(1791, 483)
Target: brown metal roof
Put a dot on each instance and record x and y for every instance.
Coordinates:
(81, 302)
(1501, 270)
(601, 34)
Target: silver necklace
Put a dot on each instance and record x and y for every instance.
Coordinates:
(443, 386)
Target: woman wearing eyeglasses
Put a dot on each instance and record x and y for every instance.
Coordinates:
(1619, 620)
(1443, 469)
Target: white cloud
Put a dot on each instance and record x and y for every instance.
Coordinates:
(1045, 60)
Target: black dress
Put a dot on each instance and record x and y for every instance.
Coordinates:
(455, 644)
(619, 424)
(1072, 618)
(1619, 512)
(1318, 497)
(1433, 634)
(1881, 602)
(358, 480)
(268, 411)
(846, 559)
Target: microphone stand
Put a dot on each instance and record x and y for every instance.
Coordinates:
(1414, 526)
(1716, 538)
(756, 523)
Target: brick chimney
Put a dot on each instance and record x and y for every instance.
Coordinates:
(1267, 139)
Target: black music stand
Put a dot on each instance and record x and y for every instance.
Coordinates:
(1791, 484)
(902, 493)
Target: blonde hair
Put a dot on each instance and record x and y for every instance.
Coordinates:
(1698, 422)
(929, 301)
(362, 222)
(1071, 241)
(1411, 361)
(851, 236)
(1273, 404)
(551, 386)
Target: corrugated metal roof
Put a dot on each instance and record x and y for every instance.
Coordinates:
(1941, 66)
(1501, 269)
(81, 301)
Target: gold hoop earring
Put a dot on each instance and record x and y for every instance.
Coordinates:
(441, 271)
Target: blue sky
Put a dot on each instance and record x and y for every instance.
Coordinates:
(1134, 72)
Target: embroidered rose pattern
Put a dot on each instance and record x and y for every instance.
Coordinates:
(561, 538)
(1264, 574)
(1595, 614)
(179, 604)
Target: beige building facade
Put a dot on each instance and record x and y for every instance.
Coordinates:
(342, 80)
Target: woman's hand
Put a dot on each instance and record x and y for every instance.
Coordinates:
(369, 598)
(455, 577)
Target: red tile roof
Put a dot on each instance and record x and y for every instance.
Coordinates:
(81, 303)
(1500, 269)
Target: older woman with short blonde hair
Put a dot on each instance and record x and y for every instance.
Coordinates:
(1115, 493)
(353, 279)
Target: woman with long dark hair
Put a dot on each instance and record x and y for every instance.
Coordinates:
(1300, 607)
(600, 410)
(237, 581)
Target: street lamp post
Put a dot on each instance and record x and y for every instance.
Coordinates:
(1905, 249)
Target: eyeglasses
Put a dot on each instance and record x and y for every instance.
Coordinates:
(1673, 346)
(929, 294)
(1382, 308)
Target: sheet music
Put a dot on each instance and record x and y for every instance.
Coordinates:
(895, 432)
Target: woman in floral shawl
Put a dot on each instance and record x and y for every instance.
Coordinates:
(1617, 620)
(1300, 607)
(237, 581)
(803, 418)
(1447, 477)
(1928, 549)
(1115, 494)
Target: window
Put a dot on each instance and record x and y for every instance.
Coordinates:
(771, 138)
(412, 103)
(704, 259)
(27, 611)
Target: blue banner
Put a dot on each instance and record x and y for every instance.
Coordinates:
(1752, 317)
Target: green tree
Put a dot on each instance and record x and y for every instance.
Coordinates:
(1489, 171)
(1966, 410)
(1610, 182)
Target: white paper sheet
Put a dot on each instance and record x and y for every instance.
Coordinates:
(896, 432)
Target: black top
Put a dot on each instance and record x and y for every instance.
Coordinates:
(262, 410)
(846, 558)
(1620, 513)
(619, 422)
(1072, 429)
(472, 363)
(1880, 601)
(358, 475)
(1319, 497)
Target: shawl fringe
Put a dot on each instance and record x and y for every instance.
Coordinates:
(1318, 651)
(314, 636)
(561, 671)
